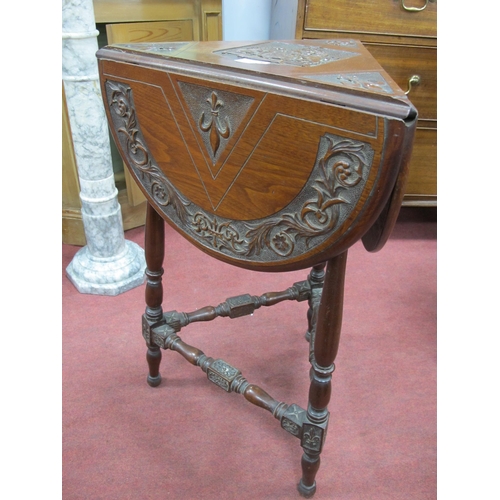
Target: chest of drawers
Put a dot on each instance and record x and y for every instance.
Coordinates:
(402, 36)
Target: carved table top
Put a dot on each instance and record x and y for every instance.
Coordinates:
(268, 155)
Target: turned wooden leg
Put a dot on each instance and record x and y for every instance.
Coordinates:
(324, 348)
(316, 278)
(155, 251)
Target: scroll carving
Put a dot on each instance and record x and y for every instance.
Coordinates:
(221, 235)
(340, 168)
(333, 189)
(162, 191)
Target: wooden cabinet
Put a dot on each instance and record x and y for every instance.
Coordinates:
(137, 21)
(402, 36)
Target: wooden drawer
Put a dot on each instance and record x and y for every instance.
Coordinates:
(386, 17)
(422, 180)
(404, 62)
(158, 31)
(405, 45)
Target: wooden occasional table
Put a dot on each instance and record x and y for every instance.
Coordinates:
(272, 156)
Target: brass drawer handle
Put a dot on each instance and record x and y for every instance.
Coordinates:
(413, 9)
(413, 80)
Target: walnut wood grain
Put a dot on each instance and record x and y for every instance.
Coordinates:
(154, 251)
(272, 166)
(261, 169)
(324, 348)
(385, 17)
(378, 234)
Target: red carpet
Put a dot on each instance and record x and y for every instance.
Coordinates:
(187, 439)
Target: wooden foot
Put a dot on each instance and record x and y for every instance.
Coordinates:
(153, 357)
(306, 491)
(310, 466)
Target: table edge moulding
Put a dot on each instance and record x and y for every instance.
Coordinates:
(271, 156)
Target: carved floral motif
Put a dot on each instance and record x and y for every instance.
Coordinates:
(292, 54)
(340, 168)
(370, 80)
(224, 368)
(218, 380)
(217, 131)
(336, 181)
(221, 235)
(217, 114)
(290, 427)
(223, 374)
(311, 438)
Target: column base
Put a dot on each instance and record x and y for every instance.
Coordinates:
(107, 275)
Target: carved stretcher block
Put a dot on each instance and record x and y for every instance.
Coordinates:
(271, 156)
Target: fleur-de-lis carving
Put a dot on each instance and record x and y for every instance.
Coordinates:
(312, 438)
(216, 129)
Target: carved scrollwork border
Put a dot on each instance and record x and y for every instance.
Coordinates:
(333, 189)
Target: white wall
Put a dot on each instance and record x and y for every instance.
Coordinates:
(246, 19)
(251, 20)
(283, 18)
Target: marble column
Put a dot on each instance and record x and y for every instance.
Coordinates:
(108, 264)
